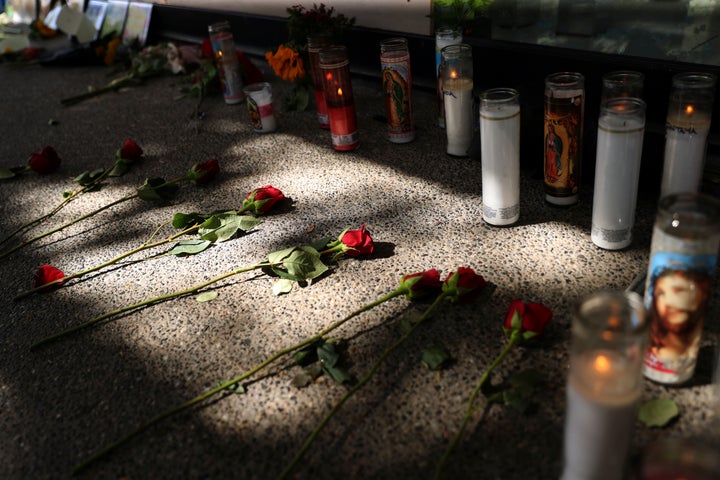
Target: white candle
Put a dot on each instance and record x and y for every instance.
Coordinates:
(457, 93)
(685, 141)
(443, 38)
(602, 397)
(260, 107)
(500, 150)
(617, 170)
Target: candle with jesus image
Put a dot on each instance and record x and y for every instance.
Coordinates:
(337, 86)
(609, 336)
(686, 131)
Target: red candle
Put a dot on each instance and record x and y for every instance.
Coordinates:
(339, 99)
(315, 43)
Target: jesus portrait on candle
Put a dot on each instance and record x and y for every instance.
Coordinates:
(678, 303)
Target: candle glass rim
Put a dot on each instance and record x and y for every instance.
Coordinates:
(455, 50)
(394, 42)
(565, 79)
(612, 304)
(697, 80)
(257, 87)
(620, 77)
(504, 95)
(219, 25)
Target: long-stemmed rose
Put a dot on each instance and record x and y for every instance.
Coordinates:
(125, 156)
(416, 286)
(294, 264)
(463, 284)
(212, 228)
(155, 189)
(523, 322)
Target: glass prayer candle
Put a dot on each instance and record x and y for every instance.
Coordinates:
(500, 155)
(621, 84)
(686, 130)
(226, 60)
(397, 83)
(457, 85)
(314, 44)
(617, 171)
(260, 107)
(609, 336)
(443, 37)
(337, 86)
(564, 117)
(683, 256)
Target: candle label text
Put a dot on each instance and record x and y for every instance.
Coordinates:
(684, 130)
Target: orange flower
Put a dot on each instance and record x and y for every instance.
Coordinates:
(111, 51)
(286, 63)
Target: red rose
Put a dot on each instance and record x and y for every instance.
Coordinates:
(46, 274)
(421, 284)
(464, 285)
(527, 317)
(357, 242)
(44, 161)
(262, 199)
(204, 172)
(130, 151)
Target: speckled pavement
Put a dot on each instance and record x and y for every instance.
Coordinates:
(60, 403)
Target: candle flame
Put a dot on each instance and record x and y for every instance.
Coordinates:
(602, 364)
(453, 74)
(689, 110)
(219, 54)
(328, 76)
(340, 92)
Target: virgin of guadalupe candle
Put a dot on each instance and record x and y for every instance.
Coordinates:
(226, 60)
(314, 44)
(337, 86)
(500, 151)
(397, 83)
(444, 36)
(683, 256)
(260, 107)
(457, 71)
(686, 130)
(617, 171)
(564, 117)
(609, 335)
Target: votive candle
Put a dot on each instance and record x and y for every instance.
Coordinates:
(609, 335)
(339, 98)
(457, 71)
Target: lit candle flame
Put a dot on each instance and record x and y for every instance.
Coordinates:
(453, 74)
(340, 92)
(219, 54)
(602, 364)
(328, 76)
(689, 110)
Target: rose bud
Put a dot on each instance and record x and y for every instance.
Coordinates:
(357, 242)
(44, 161)
(201, 173)
(46, 274)
(421, 284)
(464, 285)
(262, 199)
(130, 151)
(529, 318)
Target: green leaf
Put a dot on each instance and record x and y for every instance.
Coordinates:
(119, 169)
(339, 374)
(155, 190)
(658, 412)
(279, 255)
(236, 388)
(307, 355)
(284, 285)
(182, 221)
(6, 173)
(224, 226)
(189, 247)
(436, 357)
(207, 296)
(304, 262)
(307, 375)
(328, 354)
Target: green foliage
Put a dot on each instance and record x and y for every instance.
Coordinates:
(156, 190)
(303, 22)
(436, 357)
(457, 13)
(320, 357)
(207, 296)
(224, 226)
(189, 247)
(658, 412)
(518, 392)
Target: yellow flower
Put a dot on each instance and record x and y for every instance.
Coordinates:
(286, 63)
(111, 50)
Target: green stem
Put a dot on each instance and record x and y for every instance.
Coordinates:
(514, 338)
(68, 199)
(83, 217)
(203, 396)
(150, 301)
(313, 435)
(112, 86)
(112, 261)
